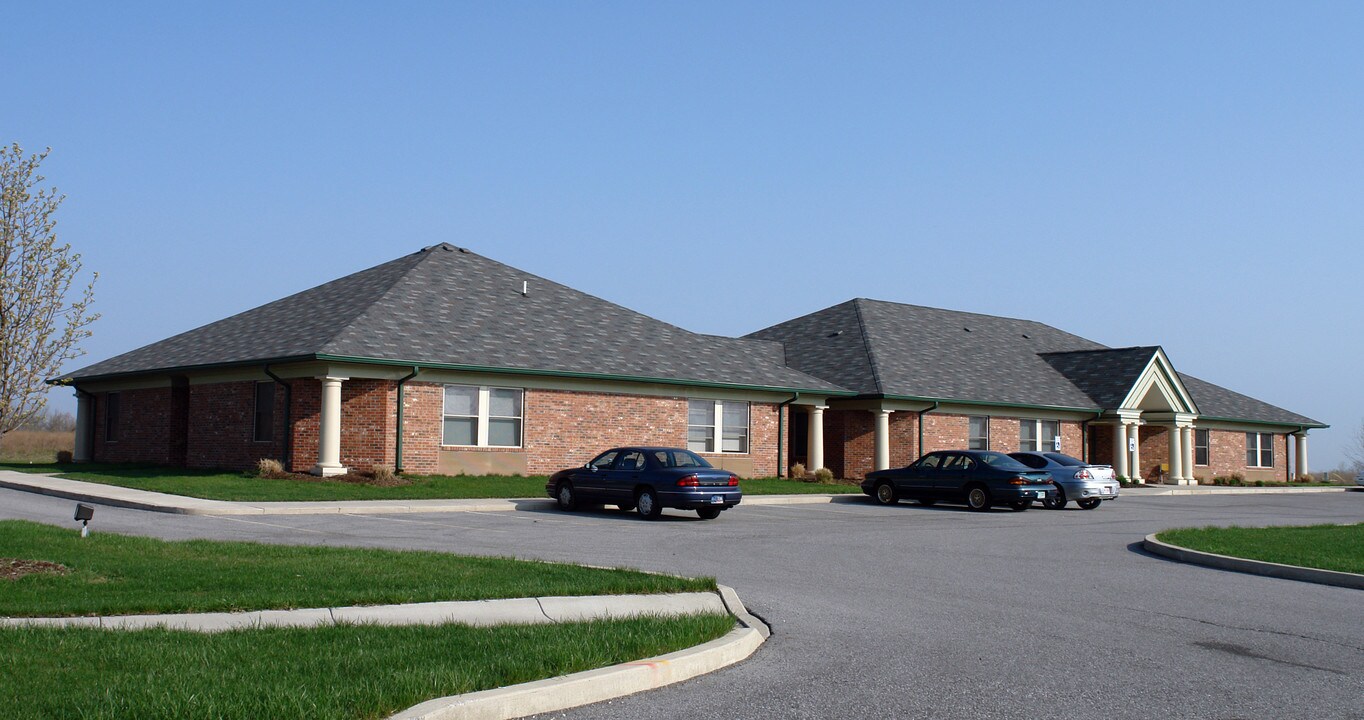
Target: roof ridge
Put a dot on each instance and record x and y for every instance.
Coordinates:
(345, 327)
(1101, 350)
(866, 344)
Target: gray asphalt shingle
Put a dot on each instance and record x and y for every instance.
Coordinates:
(446, 305)
(880, 348)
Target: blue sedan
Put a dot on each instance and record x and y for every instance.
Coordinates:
(650, 479)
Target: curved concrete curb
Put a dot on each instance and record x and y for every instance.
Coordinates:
(1254, 567)
(593, 686)
(479, 613)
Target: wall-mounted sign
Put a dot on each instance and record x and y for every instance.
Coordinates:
(1131, 444)
(1056, 443)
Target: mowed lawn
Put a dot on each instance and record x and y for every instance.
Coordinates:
(246, 487)
(110, 574)
(1326, 547)
(345, 672)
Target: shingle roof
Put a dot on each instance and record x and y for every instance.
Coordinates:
(903, 350)
(446, 305)
(1215, 401)
(880, 348)
(1105, 376)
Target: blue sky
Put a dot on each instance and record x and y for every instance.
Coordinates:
(1176, 173)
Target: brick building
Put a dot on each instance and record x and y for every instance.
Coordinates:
(444, 361)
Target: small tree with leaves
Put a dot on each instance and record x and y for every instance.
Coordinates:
(41, 323)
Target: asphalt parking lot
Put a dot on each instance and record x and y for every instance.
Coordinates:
(913, 612)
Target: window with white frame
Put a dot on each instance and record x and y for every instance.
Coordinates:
(1259, 450)
(979, 433)
(482, 416)
(1201, 446)
(708, 420)
(1039, 435)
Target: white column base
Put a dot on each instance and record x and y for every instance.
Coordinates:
(328, 470)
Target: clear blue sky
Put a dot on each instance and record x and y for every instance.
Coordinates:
(1175, 173)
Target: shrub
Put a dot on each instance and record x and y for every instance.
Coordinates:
(798, 471)
(824, 475)
(383, 475)
(65, 457)
(270, 469)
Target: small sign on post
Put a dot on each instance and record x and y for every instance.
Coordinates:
(1131, 444)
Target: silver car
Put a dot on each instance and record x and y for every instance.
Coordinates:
(1086, 484)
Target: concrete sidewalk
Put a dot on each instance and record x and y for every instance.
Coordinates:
(115, 496)
(515, 611)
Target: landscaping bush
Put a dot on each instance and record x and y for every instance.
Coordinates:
(824, 475)
(64, 457)
(271, 469)
(798, 471)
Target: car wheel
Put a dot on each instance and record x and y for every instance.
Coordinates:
(567, 500)
(1089, 503)
(647, 504)
(1055, 500)
(1020, 505)
(928, 502)
(708, 513)
(885, 493)
(978, 498)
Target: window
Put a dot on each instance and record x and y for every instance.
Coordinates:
(1200, 447)
(1259, 450)
(979, 434)
(632, 460)
(111, 402)
(265, 412)
(482, 416)
(1039, 435)
(725, 419)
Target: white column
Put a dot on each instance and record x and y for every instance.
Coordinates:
(329, 430)
(1176, 456)
(1134, 438)
(1186, 438)
(882, 439)
(816, 437)
(1301, 452)
(83, 450)
(1120, 450)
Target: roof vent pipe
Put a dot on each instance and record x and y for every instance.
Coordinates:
(525, 288)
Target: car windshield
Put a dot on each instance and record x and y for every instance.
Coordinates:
(1066, 460)
(679, 459)
(1000, 461)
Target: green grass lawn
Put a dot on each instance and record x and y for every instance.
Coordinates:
(120, 574)
(1326, 547)
(350, 672)
(243, 487)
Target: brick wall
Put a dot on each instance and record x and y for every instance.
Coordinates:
(143, 429)
(222, 427)
(562, 428)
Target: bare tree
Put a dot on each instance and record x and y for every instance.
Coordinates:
(1354, 449)
(40, 326)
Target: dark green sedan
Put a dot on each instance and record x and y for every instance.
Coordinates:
(979, 478)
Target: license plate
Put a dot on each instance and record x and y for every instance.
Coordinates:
(1108, 488)
(1041, 494)
(717, 500)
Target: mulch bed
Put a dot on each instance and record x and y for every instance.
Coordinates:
(13, 568)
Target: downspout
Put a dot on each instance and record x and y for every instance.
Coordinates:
(922, 413)
(398, 444)
(288, 424)
(781, 430)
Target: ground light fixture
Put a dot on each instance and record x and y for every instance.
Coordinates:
(84, 513)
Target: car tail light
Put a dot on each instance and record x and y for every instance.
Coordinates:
(689, 481)
(1083, 475)
(1020, 480)
(734, 481)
